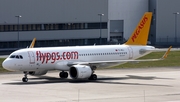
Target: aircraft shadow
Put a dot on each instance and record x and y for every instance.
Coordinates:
(101, 79)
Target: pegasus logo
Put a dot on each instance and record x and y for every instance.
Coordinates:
(139, 28)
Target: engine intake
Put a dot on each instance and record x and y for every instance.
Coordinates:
(80, 72)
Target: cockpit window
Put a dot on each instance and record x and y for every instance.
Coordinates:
(16, 56)
(12, 56)
(20, 57)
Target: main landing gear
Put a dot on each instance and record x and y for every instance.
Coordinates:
(25, 79)
(63, 74)
(93, 77)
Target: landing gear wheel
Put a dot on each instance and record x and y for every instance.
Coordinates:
(63, 74)
(25, 79)
(93, 77)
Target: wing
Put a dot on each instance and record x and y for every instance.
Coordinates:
(123, 61)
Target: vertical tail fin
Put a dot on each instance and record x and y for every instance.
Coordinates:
(32, 43)
(140, 34)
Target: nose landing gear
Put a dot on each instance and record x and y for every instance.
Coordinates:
(25, 79)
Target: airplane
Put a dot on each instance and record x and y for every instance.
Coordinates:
(82, 61)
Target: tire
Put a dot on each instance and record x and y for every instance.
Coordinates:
(24, 79)
(63, 74)
(93, 77)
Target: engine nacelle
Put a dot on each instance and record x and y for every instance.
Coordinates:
(80, 71)
(37, 73)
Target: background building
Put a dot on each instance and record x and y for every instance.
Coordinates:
(67, 22)
(165, 26)
(83, 22)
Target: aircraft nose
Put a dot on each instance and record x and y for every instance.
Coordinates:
(6, 65)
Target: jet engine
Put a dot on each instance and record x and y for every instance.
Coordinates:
(37, 73)
(80, 72)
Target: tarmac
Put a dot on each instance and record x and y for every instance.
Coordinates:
(113, 85)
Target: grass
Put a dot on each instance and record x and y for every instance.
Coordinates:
(173, 59)
(1, 68)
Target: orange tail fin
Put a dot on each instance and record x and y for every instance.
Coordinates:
(140, 34)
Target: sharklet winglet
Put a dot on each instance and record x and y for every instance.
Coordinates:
(32, 43)
(166, 53)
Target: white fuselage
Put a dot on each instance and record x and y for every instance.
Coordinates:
(58, 58)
